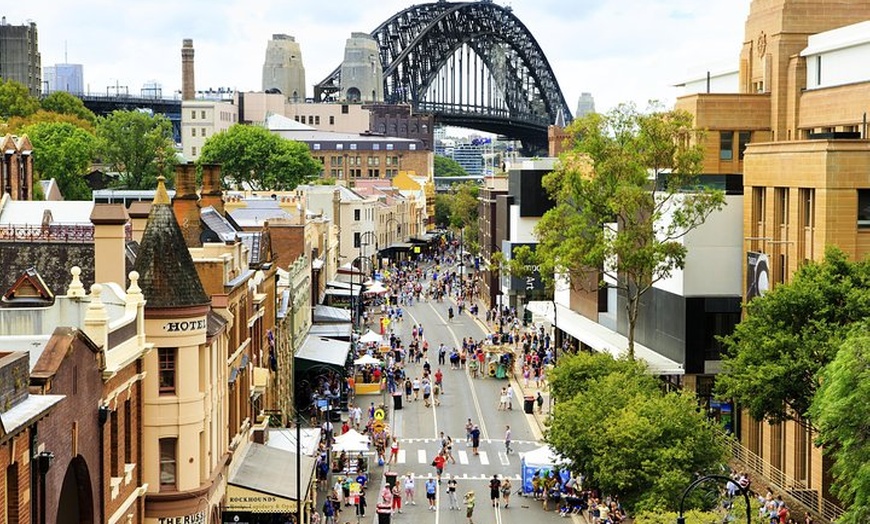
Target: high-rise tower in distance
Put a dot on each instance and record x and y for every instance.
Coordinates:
(283, 69)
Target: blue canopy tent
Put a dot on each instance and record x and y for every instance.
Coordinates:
(542, 461)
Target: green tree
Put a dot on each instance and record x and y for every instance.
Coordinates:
(138, 146)
(627, 436)
(842, 414)
(15, 100)
(576, 372)
(63, 152)
(614, 215)
(252, 156)
(17, 123)
(67, 104)
(446, 166)
(774, 357)
(443, 203)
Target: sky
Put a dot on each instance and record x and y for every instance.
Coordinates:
(617, 50)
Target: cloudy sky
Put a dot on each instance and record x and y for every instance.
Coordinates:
(618, 50)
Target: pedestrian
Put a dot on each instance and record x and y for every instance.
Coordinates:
(540, 401)
(439, 461)
(475, 439)
(408, 390)
(427, 392)
(469, 506)
(494, 490)
(502, 399)
(509, 392)
(397, 498)
(468, 427)
(361, 504)
(394, 451)
(416, 386)
(507, 440)
(409, 486)
(506, 491)
(328, 511)
(431, 490)
(448, 450)
(451, 492)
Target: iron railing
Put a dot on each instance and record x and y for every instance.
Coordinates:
(60, 233)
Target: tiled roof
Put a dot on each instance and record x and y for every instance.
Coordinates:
(52, 260)
(167, 274)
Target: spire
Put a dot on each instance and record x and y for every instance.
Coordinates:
(167, 274)
(560, 119)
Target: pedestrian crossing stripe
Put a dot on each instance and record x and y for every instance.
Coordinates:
(484, 459)
(463, 457)
(466, 476)
(421, 456)
(400, 457)
(487, 441)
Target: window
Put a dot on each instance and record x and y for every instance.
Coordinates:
(742, 141)
(807, 214)
(166, 370)
(864, 208)
(356, 214)
(296, 118)
(331, 120)
(128, 432)
(193, 115)
(168, 450)
(726, 145)
(353, 147)
(781, 206)
(202, 114)
(339, 147)
(344, 109)
(316, 147)
(192, 131)
(389, 147)
(115, 452)
(819, 70)
(311, 119)
(317, 120)
(12, 512)
(193, 151)
(356, 240)
(202, 132)
(376, 147)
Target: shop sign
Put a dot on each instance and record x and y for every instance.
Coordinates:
(193, 518)
(241, 499)
(184, 326)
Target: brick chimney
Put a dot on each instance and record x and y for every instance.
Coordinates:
(185, 205)
(212, 194)
(110, 241)
(188, 85)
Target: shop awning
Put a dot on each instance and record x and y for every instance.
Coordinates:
(338, 284)
(322, 350)
(603, 339)
(337, 331)
(330, 315)
(265, 481)
(425, 238)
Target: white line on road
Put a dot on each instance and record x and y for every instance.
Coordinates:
(503, 458)
(463, 457)
(400, 459)
(421, 456)
(484, 458)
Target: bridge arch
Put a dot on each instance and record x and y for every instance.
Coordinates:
(472, 64)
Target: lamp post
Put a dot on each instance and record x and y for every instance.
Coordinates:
(714, 478)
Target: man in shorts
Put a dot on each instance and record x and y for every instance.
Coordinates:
(431, 490)
(494, 490)
(469, 506)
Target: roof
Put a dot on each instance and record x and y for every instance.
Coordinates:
(218, 223)
(328, 314)
(324, 350)
(273, 471)
(33, 212)
(52, 260)
(167, 274)
(337, 331)
(26, 412)
(276, 122)
(285, 438)
(258, 211)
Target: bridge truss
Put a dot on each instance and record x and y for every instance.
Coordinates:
(470, 64)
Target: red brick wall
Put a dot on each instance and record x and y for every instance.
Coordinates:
(20, 443)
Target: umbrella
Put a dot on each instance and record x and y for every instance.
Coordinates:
(376, 289)
(366, 360)
(370, 337)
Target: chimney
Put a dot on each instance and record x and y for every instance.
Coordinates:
(110, 242)
(185, 205)
(188, 86)
(212, 195)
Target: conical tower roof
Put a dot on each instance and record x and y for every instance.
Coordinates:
(167, 275)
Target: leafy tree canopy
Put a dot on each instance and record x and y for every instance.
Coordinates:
(17, 123)
(775, 355)
(63, 152)
(841, 412)
(445, 166)
(67, 104)
(138, 146)
(610, 216)
(627, 436)
(16, 100)
(576, 372)
(252, 156)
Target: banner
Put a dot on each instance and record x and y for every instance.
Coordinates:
(757, 274)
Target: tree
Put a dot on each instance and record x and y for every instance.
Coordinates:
(138, 146)
(626, 435)
(63, 152)
(15, 100)
(774, 357)
(443, 202)
(252, 156)
(840, 411)
(446, 166)
(67, 104)
(17, 123)
(621, 208)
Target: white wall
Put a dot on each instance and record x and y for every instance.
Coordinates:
(843, 55)
(720, 82)
(522, 228)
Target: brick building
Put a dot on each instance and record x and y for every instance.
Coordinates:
(16, 167)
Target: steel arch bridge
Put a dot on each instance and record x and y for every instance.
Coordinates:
(470, 64)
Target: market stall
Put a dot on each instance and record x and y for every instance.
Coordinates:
(544, 462)
(498, 361)
(350, 453)
(368, 375)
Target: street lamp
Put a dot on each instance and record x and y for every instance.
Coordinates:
(714, 478)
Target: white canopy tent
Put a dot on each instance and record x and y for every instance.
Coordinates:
(370, 337)
(351, 442)
(367, 360)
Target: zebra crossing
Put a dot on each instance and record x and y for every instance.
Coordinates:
(482, 441)
(466, 476)
(463, 457)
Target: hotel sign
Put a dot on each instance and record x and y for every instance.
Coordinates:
(185, 326)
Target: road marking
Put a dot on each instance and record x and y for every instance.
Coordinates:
(503, 458)
(421, 456)
(484, 459)
(463, 457)
(400, 459)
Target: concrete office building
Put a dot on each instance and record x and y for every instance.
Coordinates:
(283, 69)
(585, 105)
(362, 75)
(19, 55)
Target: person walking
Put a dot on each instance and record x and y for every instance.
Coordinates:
(427, 392)
(475, 439)
(328, 511)
(506, 491)
(451, 492)
(468, 427)
(439, 461)
(394, 451)
(431, 490)
(397, 498)
(540, 401)
(469, 506)
(509, 393)
(361, 504)
(494, 490)
(507, 440)
(416, 387)
(408, 484)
